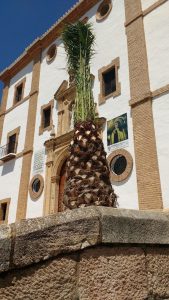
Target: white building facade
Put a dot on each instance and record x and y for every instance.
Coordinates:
(130, 87)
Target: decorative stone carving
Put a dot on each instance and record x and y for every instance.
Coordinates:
(65, 97)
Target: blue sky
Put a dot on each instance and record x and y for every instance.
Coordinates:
(21, 21)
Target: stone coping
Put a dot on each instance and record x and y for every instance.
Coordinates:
(34, 240)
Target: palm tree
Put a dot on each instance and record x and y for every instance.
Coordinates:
(88, 180)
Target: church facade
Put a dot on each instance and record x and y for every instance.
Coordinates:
(131, 92)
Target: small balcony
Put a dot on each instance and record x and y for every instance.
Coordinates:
(8, 151)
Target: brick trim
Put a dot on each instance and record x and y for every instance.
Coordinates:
(141, 13)
(138, 100)
(164, 89)
(134, 18)
(29, 139)
(161, 91)
(118, 178)
(133, 11)
(3, 107)
(147, 171)
(116, 64)
(46, 106)
(153, 6)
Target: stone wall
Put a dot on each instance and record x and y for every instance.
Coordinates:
(86, 254)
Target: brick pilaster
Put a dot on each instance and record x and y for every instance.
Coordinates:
(148, 179)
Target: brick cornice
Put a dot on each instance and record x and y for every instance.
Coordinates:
(153, 6)
(161, 91)
(158, 92)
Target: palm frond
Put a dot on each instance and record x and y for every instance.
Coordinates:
(79, 41)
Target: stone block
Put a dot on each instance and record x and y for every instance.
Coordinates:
(50, 280)
(5, 247)
(112, 273)
(132, 226)
(157, 262)
(41, 238)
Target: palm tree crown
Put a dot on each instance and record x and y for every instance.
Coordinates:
(79, 41)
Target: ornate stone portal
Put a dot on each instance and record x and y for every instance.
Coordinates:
(57, 148)
(57, 153)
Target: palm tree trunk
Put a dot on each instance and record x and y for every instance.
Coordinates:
(88, 180)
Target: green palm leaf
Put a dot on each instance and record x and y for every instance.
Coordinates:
(79, 41)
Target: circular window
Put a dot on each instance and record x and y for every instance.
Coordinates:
(36, 186)
(51, 53)
(121, 164)
(118, 164)
(103, 10)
